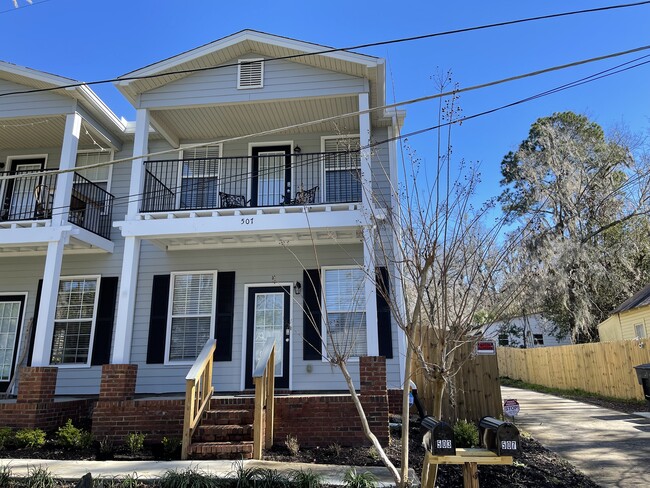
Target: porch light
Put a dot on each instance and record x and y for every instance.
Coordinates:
(297, 287)
(297, 150)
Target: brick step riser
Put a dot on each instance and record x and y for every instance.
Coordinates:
(224, 417)
(223, 438)
(228, 451)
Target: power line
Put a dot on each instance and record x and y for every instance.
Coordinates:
(333, 50)
(23, 6)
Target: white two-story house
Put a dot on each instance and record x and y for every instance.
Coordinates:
(262, 170)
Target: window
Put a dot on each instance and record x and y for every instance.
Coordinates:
(503, 340)
(250, 73)
(74, 320)
(639, 331)
(345, 304)
(342, 169)
(200, 177)
(538, 339)
(192, 314)
(100, 176)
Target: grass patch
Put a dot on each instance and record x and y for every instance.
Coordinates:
(572, 393)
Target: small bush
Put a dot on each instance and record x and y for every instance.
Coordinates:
(187, 478)
(352, 479)
(6, 437)
(31, 438)
(171, 446)
(466, 434)
(243, 477)
(335, 449)
(373, 453)
(71, 437)
(40, 477)
(134, 443)
(291, 443)
(105, 448)
(306, 479)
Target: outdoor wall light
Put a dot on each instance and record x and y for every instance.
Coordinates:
(297, 287)
(297, 150)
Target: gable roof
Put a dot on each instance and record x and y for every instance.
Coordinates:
(231, 47)
(640, 299)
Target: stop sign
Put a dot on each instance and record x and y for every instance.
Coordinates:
(511, 407)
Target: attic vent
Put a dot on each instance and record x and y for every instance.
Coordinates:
(250, 73)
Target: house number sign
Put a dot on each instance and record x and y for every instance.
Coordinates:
(247, 221)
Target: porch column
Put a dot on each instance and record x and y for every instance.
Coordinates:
(368, 228)
(47, 307)
(63, 191)
(131, 259)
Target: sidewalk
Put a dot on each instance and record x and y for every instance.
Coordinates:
(610, 447)
(74, 470)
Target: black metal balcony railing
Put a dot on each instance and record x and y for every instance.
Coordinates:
(251, 181)
(91, 207)
(28, 197)
(31, 197)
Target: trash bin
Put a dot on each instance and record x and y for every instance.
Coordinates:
(643, 374)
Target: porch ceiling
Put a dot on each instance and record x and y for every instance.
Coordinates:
(234, 120)
(31, 238)
(43, 132)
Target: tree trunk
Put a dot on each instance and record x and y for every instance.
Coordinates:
(406, 417)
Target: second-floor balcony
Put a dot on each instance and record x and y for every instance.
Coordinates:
(269, 179)
(28, 198)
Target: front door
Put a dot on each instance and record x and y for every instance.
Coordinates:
(268, 316)
(20, 196)
(271, 176)
(11, 316)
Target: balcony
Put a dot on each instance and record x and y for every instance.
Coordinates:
(262, 181)
(28, 201)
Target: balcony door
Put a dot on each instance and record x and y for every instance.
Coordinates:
(22, 194)
(11, 317)
(271, 176)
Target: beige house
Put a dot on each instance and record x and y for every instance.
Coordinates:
(630, 320)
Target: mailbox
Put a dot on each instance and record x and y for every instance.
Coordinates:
(500, 437)
(643, 375)
(439, 438)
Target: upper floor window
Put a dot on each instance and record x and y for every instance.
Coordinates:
(342, 169)
(100, 176)
(639, 331)
(199, 178)
(250, 73)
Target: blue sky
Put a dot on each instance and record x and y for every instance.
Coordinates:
(96, 39)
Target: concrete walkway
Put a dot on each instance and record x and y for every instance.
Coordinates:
(146, 470)
(610, 447)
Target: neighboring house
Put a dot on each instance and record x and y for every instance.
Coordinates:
(537, 331)
(630, 320)
(240, 240)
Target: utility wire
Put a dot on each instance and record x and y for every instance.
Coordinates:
(356, 113)
(23, 6)
(333, 50)
(594, 77)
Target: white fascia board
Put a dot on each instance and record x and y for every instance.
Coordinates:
(29, 73)
(34, 235)
(93, 240)
(238, 224)
(98, 105)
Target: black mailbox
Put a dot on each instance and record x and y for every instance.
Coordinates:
(500, 437)
(439, 438)
(643, 374)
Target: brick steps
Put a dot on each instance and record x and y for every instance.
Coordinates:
(221, 450)
(218, 433)
(225, 432)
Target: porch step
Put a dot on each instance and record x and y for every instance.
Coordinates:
(221, 450)
(228, 417)
(221, 433)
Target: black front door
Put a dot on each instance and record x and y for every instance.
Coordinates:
(11, 318)
(20, 198)
(271, 176)
(268, 316)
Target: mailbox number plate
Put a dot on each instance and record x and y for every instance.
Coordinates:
(443, 443)
(509, 445)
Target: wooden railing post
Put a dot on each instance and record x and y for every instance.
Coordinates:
(264, 378)
(270, 401)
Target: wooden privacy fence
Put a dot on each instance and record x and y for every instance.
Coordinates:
(605, 368)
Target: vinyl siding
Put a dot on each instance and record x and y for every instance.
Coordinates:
(32, 104)
(621, 325)
(282, 79)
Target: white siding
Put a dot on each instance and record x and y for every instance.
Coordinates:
(32, 104)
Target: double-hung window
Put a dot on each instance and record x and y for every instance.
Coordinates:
(199, 178)
(74, 321)
(191, 317)
(342, 169)
(100, 176)
(345, 311)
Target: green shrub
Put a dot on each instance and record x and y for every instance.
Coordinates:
(243, 477)
(32, 438)
(466, 434)
(71, 437)
(187, 478)
(171, 445)
(306, 479)
(40, 477)
(291, 443)
(6, 437)
(134, 443)
(270, 478)
(352, 479)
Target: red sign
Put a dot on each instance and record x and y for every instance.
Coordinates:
(511, 407)
(486, 347)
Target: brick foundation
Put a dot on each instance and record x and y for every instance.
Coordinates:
(37, 384)
(118, 382)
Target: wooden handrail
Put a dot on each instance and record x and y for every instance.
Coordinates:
(198, 391)
(264, 380)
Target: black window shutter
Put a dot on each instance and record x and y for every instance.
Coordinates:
(311, 320)
(224, 318)
(104, 322)
(158, 319)
(384, 331)
(32, 335)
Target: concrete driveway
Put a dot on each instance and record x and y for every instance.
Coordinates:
(610, 447)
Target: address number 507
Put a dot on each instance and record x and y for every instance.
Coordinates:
(247, 221)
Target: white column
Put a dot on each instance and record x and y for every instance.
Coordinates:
(140, 147)
(126, 302)
(368, 228)
(47, 307)
(63, 191)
